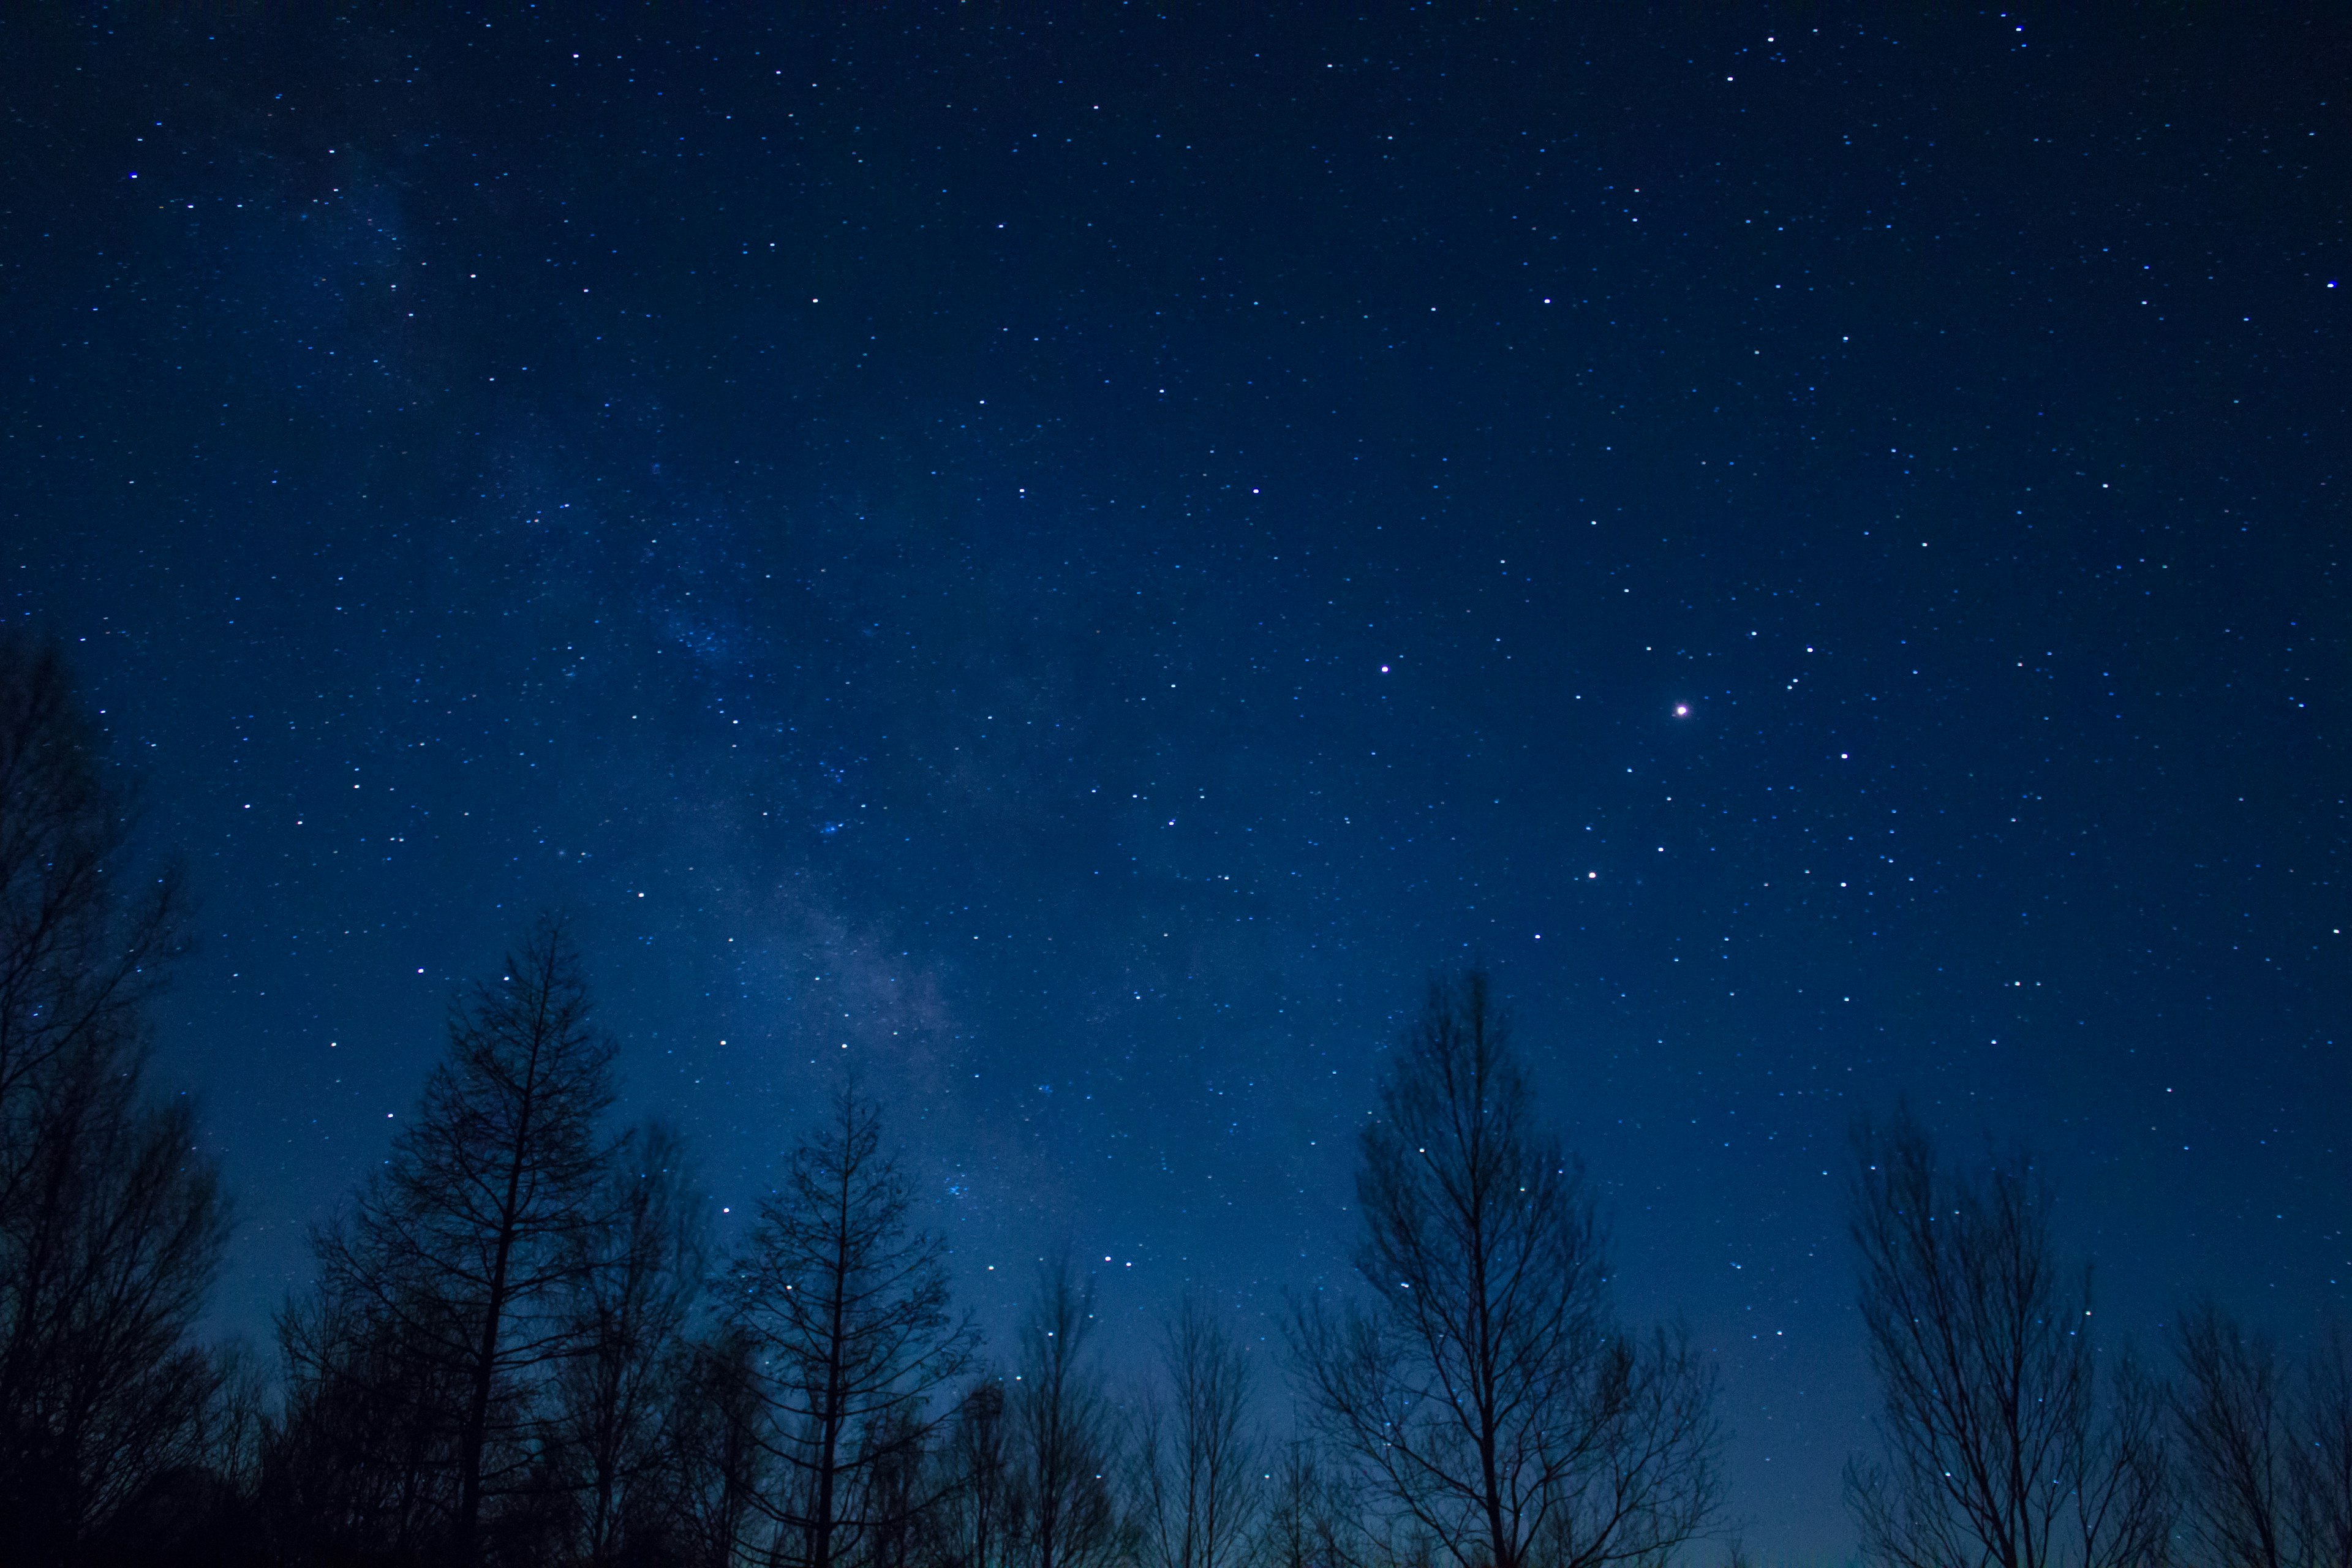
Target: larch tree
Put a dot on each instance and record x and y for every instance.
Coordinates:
(632, 1302)
(1483, 1390)
(467, 1249)
(844, 1299)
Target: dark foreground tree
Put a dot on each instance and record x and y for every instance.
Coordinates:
(111, 1222)
(1064, 1511)
(632, 1302)
(1487, 1394)
(1998, 1443)
(459, 1269)
(717, 1470)
(844, 1303)
(2324, 1451)
(364, 1461)
(1312, 1520)
(2237, 1455)
(1199, 1489)
(2265, 1456)
(969, 1525)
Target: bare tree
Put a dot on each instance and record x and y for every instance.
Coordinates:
(1064, 1445)
(79, 955)
(971, 1525)
(704, 1503)
(901, 1491)
(1198, 1487)
(2266, 1458)
(1312, 1520)
(466, 1248)
(846, 1306)
(633, 1294)
(1995, 1444)
(1487, 1394)
(100, 1381)
(112, 1223)
(2323, 1455)
(2237, 1455)
(364, 1457)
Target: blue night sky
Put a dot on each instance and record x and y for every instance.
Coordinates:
(1069, 557)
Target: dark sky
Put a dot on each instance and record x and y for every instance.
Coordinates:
(1069, 557)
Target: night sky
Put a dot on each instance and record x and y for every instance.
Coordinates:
(1067, 559)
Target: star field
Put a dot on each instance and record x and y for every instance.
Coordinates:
(1067, 560)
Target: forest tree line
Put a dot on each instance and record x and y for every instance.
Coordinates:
(525, 1345)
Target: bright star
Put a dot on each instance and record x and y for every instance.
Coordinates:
(1682, 710)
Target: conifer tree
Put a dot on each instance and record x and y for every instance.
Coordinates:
(1488, 1396)
(471, 1244)
(844, 1302)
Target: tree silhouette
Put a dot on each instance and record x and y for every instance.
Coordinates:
(2266, 1458)
(716, 1469)
(1312, 1520)
(845, 1305)
(1198, 1483)
(112, 1224)
(1064, 1444)
(1995, 1445)
(2237, 1454)
(633, 1296)
(970, 1526)
(2324, 1455)
(1487, 1394)
(469, 1248)
(364, 1457)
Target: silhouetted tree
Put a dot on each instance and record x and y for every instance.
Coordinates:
(1995, 1444)
(237, 1424)
(2236, 1453)
(1064, 1445)
(465, 1252)
(970, 1524)
(111, 1222)
(2324, 1455)
(632, 1298)
(2265, 1458)
(845, 1305)
(1312, 1518)
(1198, 1487)
(704, 1508)
(901, 1490)
(1487, 1394)
(364, 1462)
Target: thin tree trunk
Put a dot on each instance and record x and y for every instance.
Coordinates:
(477, 1409)
(600, 1527)
(830, 1452)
